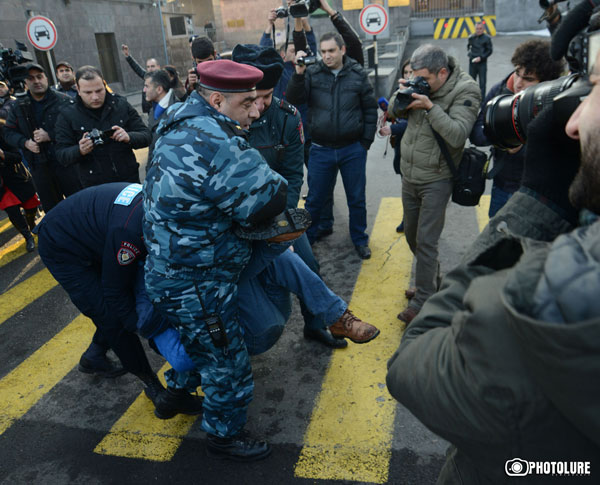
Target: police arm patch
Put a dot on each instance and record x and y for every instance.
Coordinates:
(127, 253)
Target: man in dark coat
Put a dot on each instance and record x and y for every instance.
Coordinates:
(30, 128)
(343, 119)
(92, 244)
(479, 48)
(110, 157)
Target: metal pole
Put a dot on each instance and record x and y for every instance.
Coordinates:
(376, 62)
(162, 29)
(52, 71)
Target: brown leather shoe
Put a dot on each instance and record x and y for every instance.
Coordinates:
(408, 314)
(353, 328)
(410, 293)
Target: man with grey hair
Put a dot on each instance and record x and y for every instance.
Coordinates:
(450, 109)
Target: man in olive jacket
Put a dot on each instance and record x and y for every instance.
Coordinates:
(451, 110)
(113, 159)
(504, 361)
(342, 122)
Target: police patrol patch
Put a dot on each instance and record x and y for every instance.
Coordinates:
(128, 194)
(127, 253)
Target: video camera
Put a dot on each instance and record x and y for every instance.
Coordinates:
(298, 9)
(578, 39)
(12, 66)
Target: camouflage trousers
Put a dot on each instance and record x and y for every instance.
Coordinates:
(223, 370)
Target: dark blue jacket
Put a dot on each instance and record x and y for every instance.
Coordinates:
(92, 228)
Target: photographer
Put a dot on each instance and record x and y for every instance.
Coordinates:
(30, 128)
(533, 65)
(343, 119)
(450, 109)
(505, 358)
(110, 157)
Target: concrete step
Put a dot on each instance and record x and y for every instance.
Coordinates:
(391, 59)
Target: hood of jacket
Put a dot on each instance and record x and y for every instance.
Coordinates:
(553, 308)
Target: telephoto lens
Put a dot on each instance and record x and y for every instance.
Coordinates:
(507, 116)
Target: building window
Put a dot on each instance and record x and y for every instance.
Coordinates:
(107, 46)
(177, 26)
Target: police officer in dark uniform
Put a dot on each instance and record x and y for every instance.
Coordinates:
(278, 135)
(92, 244)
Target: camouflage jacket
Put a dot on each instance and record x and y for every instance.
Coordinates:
(203, 178)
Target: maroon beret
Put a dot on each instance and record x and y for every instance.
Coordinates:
(228, 76)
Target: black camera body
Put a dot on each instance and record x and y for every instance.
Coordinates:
(508, 116)
(99, 137)
(281, 12)
(298, 9)
(306, 61)
(404, 96)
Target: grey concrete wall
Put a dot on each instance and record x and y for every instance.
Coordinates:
(517, 15)
(133, 22)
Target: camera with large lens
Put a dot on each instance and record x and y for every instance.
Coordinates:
(404, 96)
(508, 116)
(281, 12)
(301, 8)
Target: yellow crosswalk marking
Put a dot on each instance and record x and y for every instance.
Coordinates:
(5, 225)
(350, 433)
(482, 211)
(139, 434)
(38, 374)
(12, 252)
(17, 298)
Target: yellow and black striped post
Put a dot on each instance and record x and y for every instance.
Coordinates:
(462, 27)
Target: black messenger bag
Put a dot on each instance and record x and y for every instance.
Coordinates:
(469, 179)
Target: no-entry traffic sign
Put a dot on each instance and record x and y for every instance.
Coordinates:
(373, 19)
(41, 32)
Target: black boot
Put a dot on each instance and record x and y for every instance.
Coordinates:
(153, 387)
(18, 220)
(94, 361)
(30, 217)
(177, 401)
(324, 336)
(239, 448)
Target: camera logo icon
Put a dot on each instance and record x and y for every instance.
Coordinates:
(516, 467)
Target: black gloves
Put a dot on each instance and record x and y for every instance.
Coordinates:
(551, 162)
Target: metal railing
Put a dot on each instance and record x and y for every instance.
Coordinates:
(445, 8)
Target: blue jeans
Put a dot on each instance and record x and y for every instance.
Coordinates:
(264, 303)
(498, 199)
(323, 165)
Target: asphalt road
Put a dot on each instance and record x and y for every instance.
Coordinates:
(326, 413)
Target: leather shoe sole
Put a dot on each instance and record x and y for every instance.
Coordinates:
(288, 225)
(110, 371)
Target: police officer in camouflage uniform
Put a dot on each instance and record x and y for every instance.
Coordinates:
(278, 135)
(205, 178)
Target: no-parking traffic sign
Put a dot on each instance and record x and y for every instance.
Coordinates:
(41, 32)
(373, 19)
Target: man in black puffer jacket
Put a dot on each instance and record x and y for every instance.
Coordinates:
(342, 122)
(113, 159)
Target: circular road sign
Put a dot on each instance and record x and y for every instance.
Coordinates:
(41, 32)
(373, 19)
